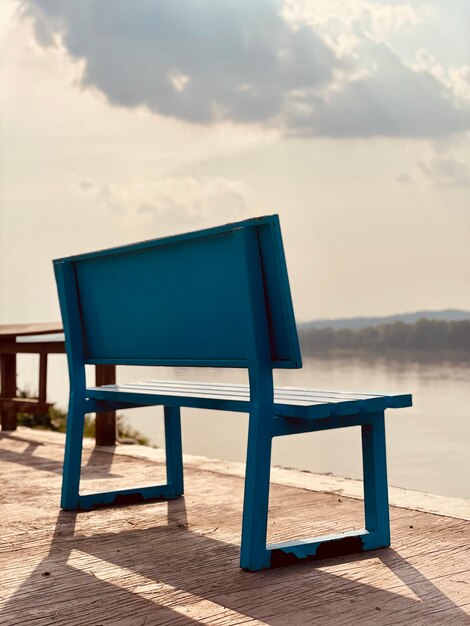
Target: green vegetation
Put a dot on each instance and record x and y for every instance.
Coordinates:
(425, 337)
(55, 419)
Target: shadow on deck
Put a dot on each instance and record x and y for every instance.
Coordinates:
(176, 562)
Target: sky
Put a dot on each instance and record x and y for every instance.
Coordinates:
(122, 121)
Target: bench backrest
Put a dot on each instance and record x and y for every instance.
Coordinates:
(194, 299)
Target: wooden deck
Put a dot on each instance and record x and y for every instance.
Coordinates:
(176, 563)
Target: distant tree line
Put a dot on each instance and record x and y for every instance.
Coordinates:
(425, 336)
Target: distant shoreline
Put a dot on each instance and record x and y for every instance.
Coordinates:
(426, 339)
(390, 354)
(445, 315)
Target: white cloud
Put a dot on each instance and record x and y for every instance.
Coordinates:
(444, 171)
(404, 179)
(394, 100)
(307, 68)
(456, 78)
(201, 62)
(170, 200)
(338, 17)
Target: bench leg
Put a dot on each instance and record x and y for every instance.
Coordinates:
(254, 555)
(71, 498)
(174, 451)
(73, 455)
(376, 508)
(376, 533)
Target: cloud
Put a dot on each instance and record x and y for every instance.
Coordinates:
(404, 179)
(455, 78)
(446, 172)
(200, 61)
(85, 184)
(339, 18)
(393, 100)
(207, 61)
(170, 200)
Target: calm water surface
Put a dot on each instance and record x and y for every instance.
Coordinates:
(428, 444)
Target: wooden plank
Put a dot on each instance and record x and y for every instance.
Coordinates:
(335, 396)
(10, 346)
(222, 403)
(22, 330)
(145, 397)
(176, 563)
(284, 404)
(8, 389)
(133, 278)
(339, 403)
(313, 394)
(42, 377)
(105, 433)
(32, 406)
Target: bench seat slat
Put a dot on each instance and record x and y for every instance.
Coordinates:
(224, 403)
(370, 402)
(145, 398)
(301, 403)
(308, 396)
(337, 395)
(242, 393)
(311, 405)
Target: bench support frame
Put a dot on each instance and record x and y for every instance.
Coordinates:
(71, 497)
(260, 334)
(257, 555)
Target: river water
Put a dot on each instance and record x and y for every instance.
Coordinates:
(428, 445)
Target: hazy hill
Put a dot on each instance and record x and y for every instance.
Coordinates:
(423, 338)
(447, 315)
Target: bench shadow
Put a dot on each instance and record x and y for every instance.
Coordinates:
(97, 466)
(32, 444)
(78, 596)
(421, 586)
(161, 574)
(99, 463)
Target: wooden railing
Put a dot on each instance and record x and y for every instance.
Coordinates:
(34, 339)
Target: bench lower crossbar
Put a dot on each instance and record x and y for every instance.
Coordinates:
(326, 546)
(126, 496)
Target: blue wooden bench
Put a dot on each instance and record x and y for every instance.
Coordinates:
(215, 298)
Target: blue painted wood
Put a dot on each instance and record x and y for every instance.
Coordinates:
(374, 465)
(217, 297)
(253, 552)
(73, 454)
(349, 542)
(174, 450)
(235, 398)
(77, 400)
(134, 398)
(135, 495)
(283, 426)
(186, 291)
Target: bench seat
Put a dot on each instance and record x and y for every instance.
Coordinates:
(300, 403)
